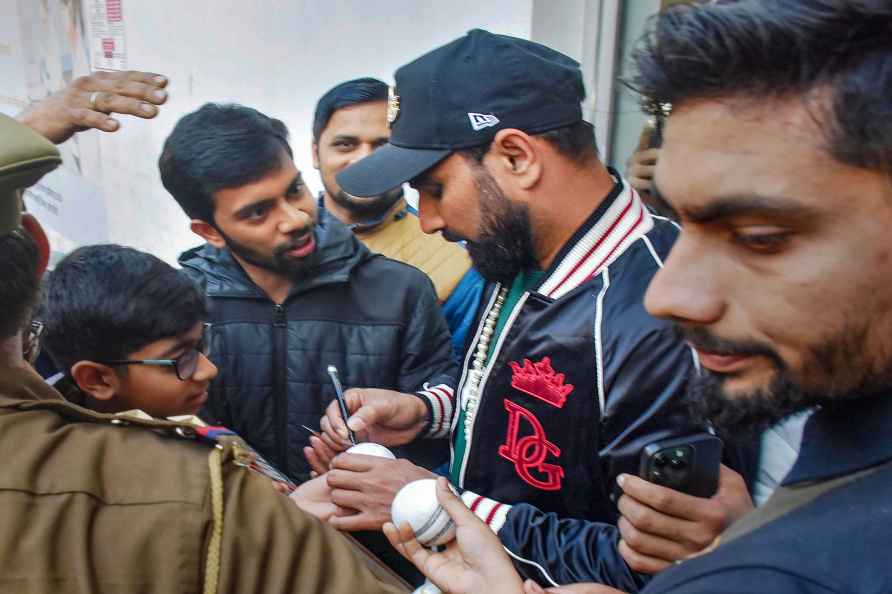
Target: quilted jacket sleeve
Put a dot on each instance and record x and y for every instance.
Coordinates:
(427, 350)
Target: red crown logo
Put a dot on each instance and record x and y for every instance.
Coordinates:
(540, 381)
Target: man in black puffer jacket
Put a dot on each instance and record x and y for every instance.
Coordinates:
(291, 291)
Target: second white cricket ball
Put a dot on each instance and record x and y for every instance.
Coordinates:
(416, 503)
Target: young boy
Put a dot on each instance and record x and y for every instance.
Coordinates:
(127, 330)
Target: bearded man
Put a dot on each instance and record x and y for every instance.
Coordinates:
(292, 292)
(566, 377)
(777, 159)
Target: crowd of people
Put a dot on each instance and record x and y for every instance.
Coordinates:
(524, 337)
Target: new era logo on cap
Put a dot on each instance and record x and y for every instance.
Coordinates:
(479, 121)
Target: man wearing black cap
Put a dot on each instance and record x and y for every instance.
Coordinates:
(565, 376)
(780, 281)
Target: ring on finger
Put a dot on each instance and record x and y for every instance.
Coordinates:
(93, 100)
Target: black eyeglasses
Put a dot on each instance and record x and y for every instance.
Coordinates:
(184, 365)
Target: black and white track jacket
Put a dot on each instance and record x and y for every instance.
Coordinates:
(580, 380)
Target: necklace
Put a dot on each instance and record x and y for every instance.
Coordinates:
(480, 356)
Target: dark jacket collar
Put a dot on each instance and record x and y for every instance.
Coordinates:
(852, 436)
(338, 250)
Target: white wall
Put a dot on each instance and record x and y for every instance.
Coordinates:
(276, 55)
(577, 28)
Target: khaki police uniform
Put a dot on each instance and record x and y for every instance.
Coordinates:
(97, 503)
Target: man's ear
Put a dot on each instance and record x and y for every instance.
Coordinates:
(315, 151)
(515, 157)
(98, 380)
(33, 228)
(208, 232)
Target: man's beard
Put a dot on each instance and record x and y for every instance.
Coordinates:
(366, 209)
(839, 366)
(505, 246)
(278, 262)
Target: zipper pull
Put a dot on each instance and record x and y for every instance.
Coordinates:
(280, 320)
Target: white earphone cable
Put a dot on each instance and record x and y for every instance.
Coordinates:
(534, 564)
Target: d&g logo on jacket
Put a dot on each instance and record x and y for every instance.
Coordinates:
(528, 453)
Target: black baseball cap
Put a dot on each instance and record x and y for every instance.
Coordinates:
(458, 96)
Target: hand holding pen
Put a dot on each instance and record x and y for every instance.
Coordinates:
(385, 417)
(329, 442)
(342, 403)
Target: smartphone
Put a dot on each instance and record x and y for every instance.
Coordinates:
(688, 464)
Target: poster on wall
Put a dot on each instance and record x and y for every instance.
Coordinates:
(51, 47)
(108, 44)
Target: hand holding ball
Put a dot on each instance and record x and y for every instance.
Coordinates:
(417, 505)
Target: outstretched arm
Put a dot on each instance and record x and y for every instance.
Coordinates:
(89, 101)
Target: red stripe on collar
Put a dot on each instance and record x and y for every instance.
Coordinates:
(624, 222)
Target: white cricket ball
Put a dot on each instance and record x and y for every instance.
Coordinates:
(368, 448)
(417, 504)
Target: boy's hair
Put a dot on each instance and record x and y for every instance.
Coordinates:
(218, 147)
(834, 50)
(351, 92)
(104, 302)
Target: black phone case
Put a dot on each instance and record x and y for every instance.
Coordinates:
(688, 464)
